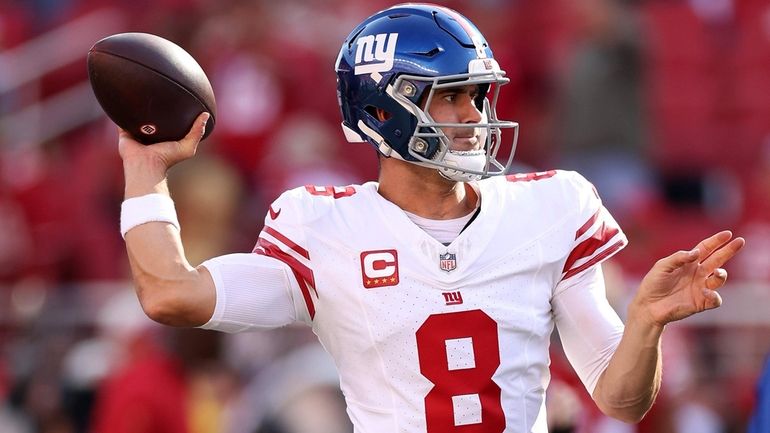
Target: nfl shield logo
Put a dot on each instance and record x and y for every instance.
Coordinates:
(447, 262)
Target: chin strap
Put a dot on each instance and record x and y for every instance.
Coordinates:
(474, 160)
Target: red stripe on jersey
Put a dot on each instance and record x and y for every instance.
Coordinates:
(302, 273)
(584, 228)
(273, 250)
(590, 245)
(599, 257)
(529, 177)
(288, 242)
(306, 294)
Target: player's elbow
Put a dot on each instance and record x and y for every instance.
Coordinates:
(623, 399)
(173, 302)
(629, 409)
(162, 308)
(631, 414)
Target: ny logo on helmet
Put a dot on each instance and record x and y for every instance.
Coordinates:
(376, 52)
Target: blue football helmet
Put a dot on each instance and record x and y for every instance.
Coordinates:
(395, 61)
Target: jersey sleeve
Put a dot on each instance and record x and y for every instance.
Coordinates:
(597, 235)
(274, 285)
(283, 238)
(252, 292)
(590, 330)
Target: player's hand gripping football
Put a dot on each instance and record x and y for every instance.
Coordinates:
(686, 282)
(167, 153)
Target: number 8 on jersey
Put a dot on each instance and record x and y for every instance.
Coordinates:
(464, 397)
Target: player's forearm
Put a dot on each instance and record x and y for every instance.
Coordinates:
(169, 288)
(631, 381)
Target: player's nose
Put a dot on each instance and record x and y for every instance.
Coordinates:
(470, 113)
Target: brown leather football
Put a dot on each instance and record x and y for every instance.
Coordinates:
(149, 86)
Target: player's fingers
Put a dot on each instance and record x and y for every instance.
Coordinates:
(123, 135)
(722, 255)
(189, 144)
(126, 143)
(197, 130)
(717, 279)
(713, 242)
(712, 299)
(679, 259)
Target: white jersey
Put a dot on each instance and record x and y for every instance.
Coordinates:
(434, 338)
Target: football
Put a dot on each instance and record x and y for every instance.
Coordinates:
(149, 86)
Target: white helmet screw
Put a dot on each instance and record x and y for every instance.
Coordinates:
(408, 89)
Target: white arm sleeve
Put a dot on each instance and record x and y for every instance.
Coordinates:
(589, 328)
(253, 292)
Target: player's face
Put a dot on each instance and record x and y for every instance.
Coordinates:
(456, 105)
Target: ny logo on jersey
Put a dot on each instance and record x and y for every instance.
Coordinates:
(379, 268)
(447, 262)
(375, 53)
(453, 298)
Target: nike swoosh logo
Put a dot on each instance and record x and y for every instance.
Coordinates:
(274, 214)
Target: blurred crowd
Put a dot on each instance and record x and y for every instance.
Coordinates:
(663, 104)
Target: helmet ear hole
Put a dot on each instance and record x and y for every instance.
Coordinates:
(378, 113)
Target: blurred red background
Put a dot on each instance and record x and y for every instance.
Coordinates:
(663, 104)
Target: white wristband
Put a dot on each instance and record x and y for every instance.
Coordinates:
(147, 208)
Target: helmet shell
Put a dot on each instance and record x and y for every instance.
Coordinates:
(411, 39)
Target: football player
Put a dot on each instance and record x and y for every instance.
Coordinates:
(436, 288)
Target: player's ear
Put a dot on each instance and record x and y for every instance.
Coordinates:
(382, 115)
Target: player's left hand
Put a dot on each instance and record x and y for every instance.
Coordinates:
(686, 282)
